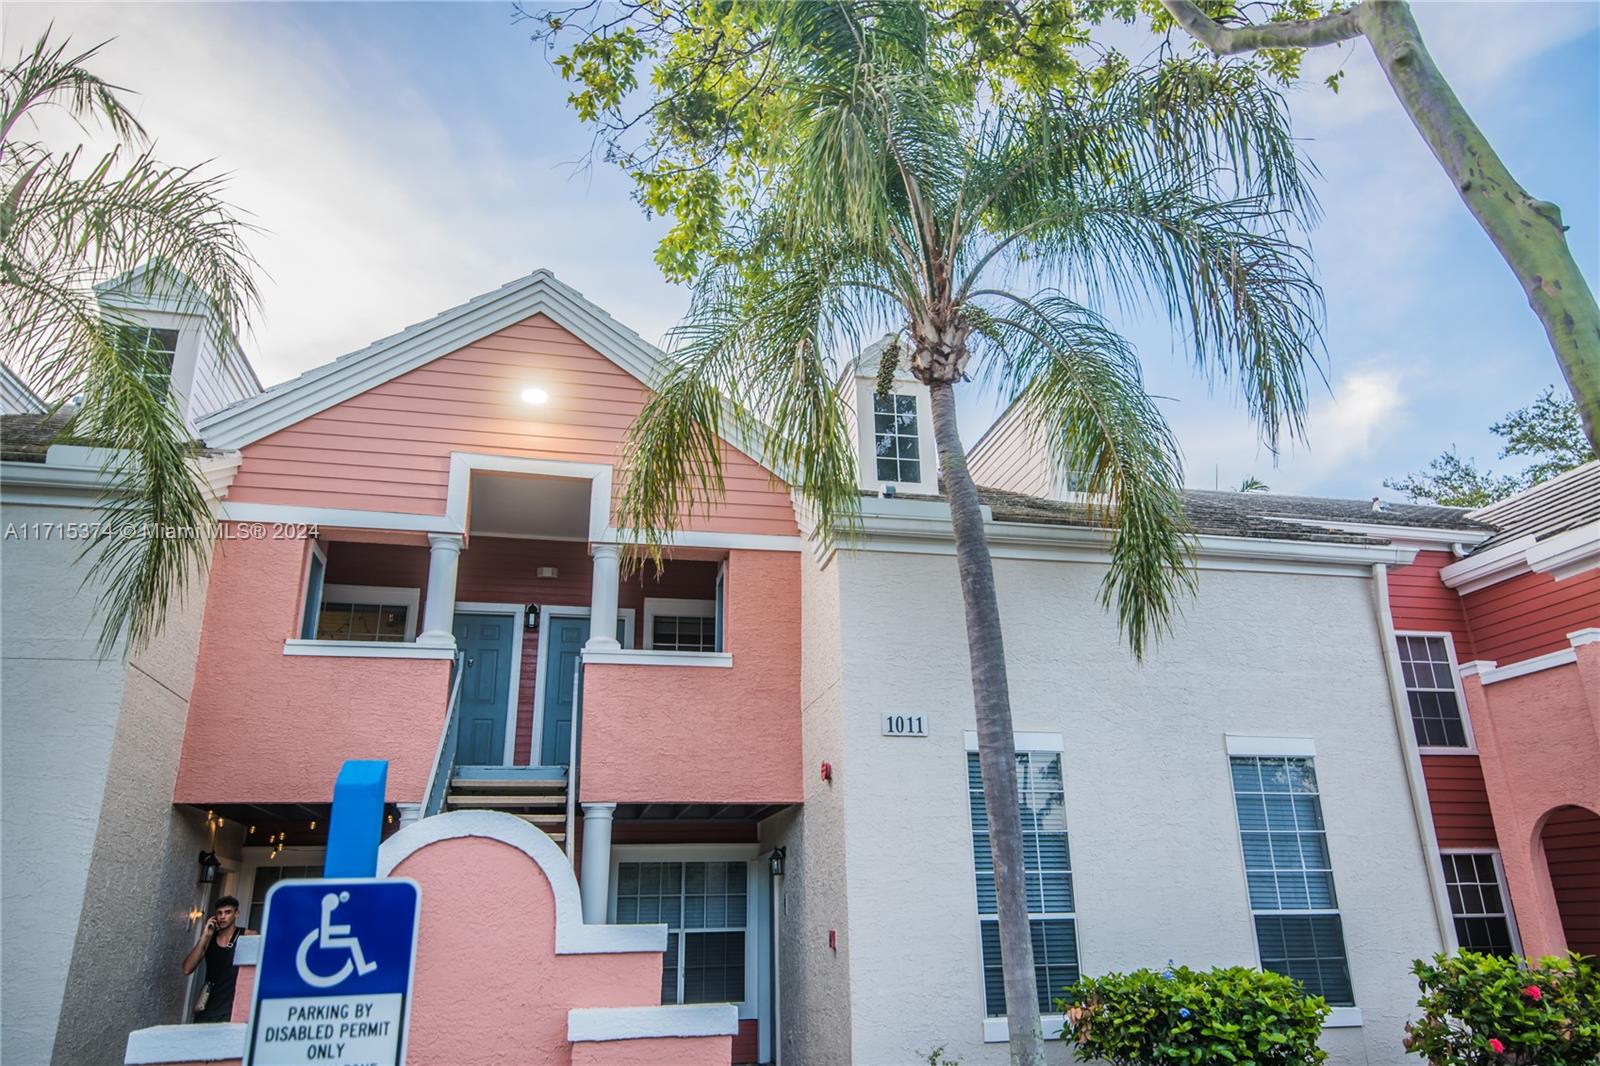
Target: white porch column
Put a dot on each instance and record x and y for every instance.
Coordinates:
(439, 612)
(594, 886)
(603, 600)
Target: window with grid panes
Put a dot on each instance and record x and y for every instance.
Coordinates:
(266, 877)
(1290, 875)
(1431, 690)
(384, 623)
(1478, 902)
(150, 352)
(1048, 869)
(894, 427)
(704, 906)
(678, 632)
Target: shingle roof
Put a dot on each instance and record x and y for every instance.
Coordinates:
(26, 438)
(1562, 503)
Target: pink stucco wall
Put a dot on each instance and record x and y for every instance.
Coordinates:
(688, 734)
(1538, 740)
(265, 727)
(388, 449)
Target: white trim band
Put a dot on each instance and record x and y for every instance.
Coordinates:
(201, 1042)
(360, 649)
(588, 1024)
(1489, 673)
(650, 657)
(1591, 635)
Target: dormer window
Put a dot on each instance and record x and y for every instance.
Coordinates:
(894, 419)
(151, 352)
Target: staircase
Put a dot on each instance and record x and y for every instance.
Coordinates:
(536, 794)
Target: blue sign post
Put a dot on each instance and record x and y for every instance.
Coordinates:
(333, 985)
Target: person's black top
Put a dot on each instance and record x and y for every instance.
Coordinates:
(222, 975)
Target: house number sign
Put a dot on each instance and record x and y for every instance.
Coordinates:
(905, 725)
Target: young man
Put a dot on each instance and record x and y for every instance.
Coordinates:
(216, 944)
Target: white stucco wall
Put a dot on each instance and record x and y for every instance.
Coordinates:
(58, 713)
(1158, 872)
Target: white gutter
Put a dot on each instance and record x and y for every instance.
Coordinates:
(1420, 809)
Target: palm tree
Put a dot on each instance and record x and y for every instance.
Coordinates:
(68, 222)
(906, 201)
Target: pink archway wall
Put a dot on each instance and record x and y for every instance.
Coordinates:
(1538, 737)
(506, 970)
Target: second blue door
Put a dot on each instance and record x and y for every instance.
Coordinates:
(565, 639)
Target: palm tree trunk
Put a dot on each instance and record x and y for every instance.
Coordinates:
(997, 749)
(1528, 233)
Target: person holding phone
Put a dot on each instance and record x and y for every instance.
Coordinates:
(215, 946)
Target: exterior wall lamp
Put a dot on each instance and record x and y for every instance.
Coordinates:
(209, 868)
(775, 861)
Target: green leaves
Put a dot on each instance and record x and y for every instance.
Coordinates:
(1540, 1014)
(68, 224)
(1197, 1017)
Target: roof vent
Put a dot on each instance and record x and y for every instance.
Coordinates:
(1377, 505)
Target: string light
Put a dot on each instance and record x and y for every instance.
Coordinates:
(313, 824)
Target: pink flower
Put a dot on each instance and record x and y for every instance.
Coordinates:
(1496, 1046)
(1533, 993)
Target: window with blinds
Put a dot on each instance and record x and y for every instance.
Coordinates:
(705, 906)
(1290, 875)
(1048, 869)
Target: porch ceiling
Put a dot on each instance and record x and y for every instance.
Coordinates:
(522, 505)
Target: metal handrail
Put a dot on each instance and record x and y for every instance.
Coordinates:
(574, 752)
(444, 764)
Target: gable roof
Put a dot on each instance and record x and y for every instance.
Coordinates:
(16, 398)
(350, 375)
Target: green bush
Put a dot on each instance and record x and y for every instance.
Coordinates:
(1482, 1009)
(1232, 1015)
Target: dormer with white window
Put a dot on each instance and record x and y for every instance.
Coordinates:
(894, 432)
(165, 318)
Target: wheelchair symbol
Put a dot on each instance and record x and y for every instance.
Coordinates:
(328, 936)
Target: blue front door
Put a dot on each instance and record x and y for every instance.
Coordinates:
(565, 639)
(485, 641)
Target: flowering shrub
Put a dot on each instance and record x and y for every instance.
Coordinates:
(1482, 1010)
(1178, 1015)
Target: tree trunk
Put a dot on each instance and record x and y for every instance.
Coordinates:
(997, 749)
(1528, 232)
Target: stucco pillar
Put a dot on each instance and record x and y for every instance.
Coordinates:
(603, 602)
(594, 886)
(439, 613)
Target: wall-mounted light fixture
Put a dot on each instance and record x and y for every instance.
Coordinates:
(531, 616)
(535, 396)
(209, 868)
(775, 861)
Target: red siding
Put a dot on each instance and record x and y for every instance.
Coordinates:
(1419, 601)
(1459, 801)
(1531, 615)
(1572, 848)
(747, 1044)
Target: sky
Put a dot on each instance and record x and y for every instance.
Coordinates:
(400, 159)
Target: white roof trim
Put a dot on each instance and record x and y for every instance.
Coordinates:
(16, 393)
(350, 375)
(573, 937)
(1562, 555)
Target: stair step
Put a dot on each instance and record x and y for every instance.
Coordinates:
(476, 785)
(474, 799)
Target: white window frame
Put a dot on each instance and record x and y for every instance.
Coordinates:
(680, 608)
(253, 857)
(996, 1030)
(1287, 748)
(866, 436)
(1455, 677)
(382, 595)
(1505, 891)
(757, 905)
(311, 606)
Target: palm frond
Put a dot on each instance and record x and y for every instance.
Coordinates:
(50, 77)
(1079, 383)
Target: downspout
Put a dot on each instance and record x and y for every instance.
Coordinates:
(776, 894)
(1420, 810)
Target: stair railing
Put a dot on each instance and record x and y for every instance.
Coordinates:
(444, 764)
(572, 760)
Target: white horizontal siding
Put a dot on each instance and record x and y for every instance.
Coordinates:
(1011, 457)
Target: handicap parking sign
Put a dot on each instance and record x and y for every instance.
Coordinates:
(334, 982)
